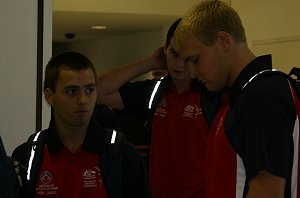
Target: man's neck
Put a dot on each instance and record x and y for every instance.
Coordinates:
(71, 137)
(180, 87)
(243, 57)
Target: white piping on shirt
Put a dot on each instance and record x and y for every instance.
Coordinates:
(257, 75)
(154, 92)
(113, 137)
(32, 153)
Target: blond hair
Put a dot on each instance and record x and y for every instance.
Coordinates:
(208, 18)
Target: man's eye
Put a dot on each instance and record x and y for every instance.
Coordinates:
(71, 91)
(175, 54)
(89, 90)
(193, 60)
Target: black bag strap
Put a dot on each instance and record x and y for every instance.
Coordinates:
(296, 72)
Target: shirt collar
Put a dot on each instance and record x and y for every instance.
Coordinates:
(196, 85)
(255, 66)
(93, 141)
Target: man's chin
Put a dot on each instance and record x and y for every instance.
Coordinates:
(82, 122)
(211, 88)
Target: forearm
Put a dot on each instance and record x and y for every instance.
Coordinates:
(109, 83)
(112, 80)
(266, 185)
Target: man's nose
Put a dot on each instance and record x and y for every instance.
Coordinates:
(180, 62)
(82, 98)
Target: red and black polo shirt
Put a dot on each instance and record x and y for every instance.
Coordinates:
(67, 174)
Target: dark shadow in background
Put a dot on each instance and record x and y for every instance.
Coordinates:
(39, 69)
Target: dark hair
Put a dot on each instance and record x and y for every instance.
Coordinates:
(66, 60)
(171, 31)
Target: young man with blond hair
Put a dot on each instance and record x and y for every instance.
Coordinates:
(251, 150)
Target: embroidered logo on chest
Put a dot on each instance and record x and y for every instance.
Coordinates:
(46, 187)
(161, 109)
(191, 111)
(92, 178)
(46, 177)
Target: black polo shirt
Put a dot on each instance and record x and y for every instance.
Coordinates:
(261, 120)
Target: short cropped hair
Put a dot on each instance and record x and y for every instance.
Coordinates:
(66, 60)
(208, 18)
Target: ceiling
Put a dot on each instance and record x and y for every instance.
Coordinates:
(75, 17)
(79, 24)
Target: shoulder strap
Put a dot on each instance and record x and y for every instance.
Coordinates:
(296, 72)
(295, 82)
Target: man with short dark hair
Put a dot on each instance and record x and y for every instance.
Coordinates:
(75, 156)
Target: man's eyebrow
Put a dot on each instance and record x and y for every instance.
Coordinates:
(172, 48)
(190, 57)
(71, 87)
(77, 87)
(90, 85)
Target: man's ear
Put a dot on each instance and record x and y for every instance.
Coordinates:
(49, 96)
(224, 40)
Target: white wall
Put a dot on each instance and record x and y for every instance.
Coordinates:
(47, 51)
(272, 27)
(160, 7)
(114, 51)
(18, 60)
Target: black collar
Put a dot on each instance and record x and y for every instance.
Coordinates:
(93, 141)
(258, 64)
(196, 85)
